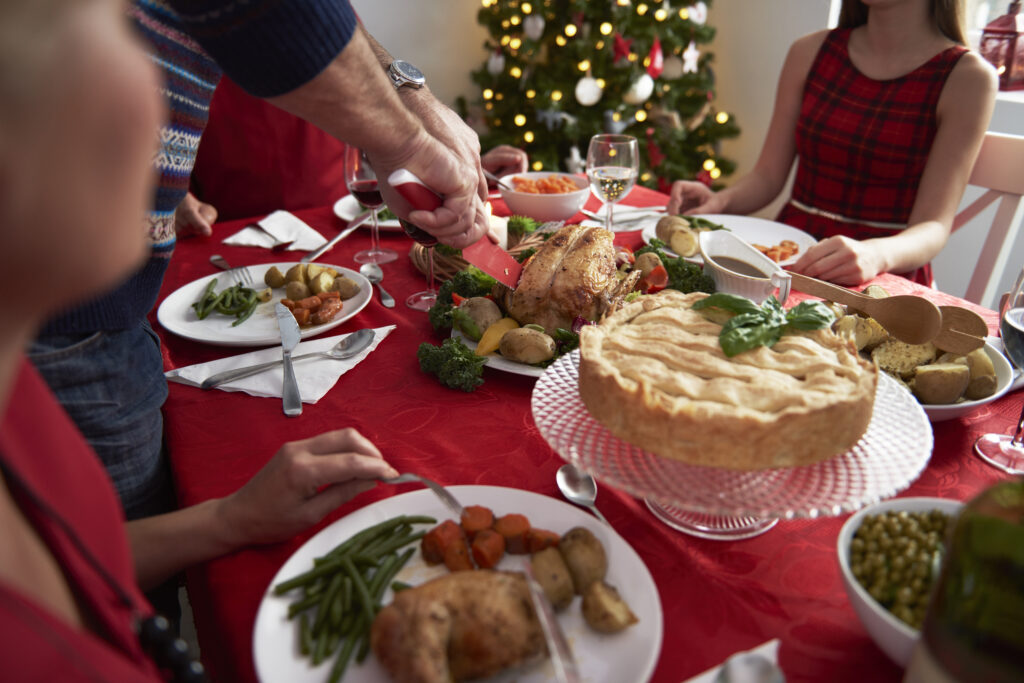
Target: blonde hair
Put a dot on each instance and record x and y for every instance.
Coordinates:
(948, 16)
(29, 39)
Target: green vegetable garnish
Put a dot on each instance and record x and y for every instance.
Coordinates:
(454, 364)
(682, 275)
(466, 283)
(752, 326)
(521, 225)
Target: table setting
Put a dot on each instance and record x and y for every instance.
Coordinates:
(713, 562)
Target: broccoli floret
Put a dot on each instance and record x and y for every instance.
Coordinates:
(473, 282)
(453, 363)
(525, 254)
(445, 250)
(521, 225)
(682, 275)
(440, 315)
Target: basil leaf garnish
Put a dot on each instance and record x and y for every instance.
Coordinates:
(754, 326)
(727, 302)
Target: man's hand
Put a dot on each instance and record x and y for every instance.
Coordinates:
(193, 217)
(504, 160)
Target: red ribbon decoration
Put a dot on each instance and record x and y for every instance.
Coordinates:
(657, 59)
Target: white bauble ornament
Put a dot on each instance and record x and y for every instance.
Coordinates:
(672, 68)
(699, 13)
(533, 26)
(496, 63)
(640, 90)
(588, 91)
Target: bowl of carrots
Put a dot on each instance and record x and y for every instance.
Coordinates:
(544, 195)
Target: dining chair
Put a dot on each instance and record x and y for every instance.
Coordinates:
(1000, 171)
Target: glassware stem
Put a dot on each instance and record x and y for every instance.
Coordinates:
(431, 289)
(608, 219)
(374, 232)
(1016, 441)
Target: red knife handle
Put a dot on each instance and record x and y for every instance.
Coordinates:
(414, 191)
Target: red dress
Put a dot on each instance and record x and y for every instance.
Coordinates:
(862, 145)
(45, 458)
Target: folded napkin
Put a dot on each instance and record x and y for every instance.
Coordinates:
(280, 227)
(769, 650)
(316, 376)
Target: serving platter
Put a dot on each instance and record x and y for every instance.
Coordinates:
(750, 229)
(496, 361)
(178, 317)
(602, 658)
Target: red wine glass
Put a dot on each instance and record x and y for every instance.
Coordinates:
(362, 183)
(423, 300)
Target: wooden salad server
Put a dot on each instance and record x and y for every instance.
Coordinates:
(906, 317)
(962, 330)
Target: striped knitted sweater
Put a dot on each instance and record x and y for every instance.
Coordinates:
(269, 47)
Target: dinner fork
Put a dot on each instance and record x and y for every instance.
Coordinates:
(441, 492)
(240, 274)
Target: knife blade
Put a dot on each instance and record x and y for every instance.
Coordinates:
(290, 335)
(484, 254)
(349, 229)
(564, 662)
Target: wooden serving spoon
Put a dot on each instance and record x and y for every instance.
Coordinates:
(908, 318)
(962, 330)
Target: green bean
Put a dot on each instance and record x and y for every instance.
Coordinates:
(341, 662)
(305, 636)
(398, 586)
(320, 649)
(324, 609)
(364, 537)
(246, 313)
(360, 587)
(306, 577)
(303, 605)
(338, 606)
(346, 588)
(385, 577)
(397, 543)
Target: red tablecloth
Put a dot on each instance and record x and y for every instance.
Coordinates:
(717, 597)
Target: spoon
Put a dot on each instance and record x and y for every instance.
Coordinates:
(373, 273)
(749, 667)
(495, 179)
(962, 330)
(908, 318)
(578, 487)
(346, 348)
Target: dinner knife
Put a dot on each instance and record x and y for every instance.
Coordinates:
(290, 336)
(484, 254)
(314, 255)
(558, 647)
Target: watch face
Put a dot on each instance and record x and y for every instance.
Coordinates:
(408, 72)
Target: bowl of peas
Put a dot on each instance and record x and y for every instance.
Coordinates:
(889, 557)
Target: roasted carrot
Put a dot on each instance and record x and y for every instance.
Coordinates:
(288, 303)
(514, 528)
(301, 315)
(538, 539)
(326, 296)
(456, 556)
(488, 548)
(476, 518)
(437, 540)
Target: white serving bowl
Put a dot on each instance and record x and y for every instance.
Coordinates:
(545, 207)
(894, 637)
(1004, 376)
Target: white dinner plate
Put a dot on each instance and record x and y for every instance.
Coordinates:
(348, 207)
(750, 229)
(602, 658)
(498, 362)
(177, 315)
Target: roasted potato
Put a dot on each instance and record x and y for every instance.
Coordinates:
(604, 609)
(667, 225)
(647, 262)
(553, 576)
(265, 295)
(321, 282)
(296, 273)
(865, 333)
(983, 381)
(483, 312)
(585, 557)
(900, 358)
(676, 232)
(875, 292)
(940, 383)
(346, 287)
(274, 277)
(312, 270)
(526, 345)
(296, 290)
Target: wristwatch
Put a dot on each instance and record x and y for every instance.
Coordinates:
(404, 74)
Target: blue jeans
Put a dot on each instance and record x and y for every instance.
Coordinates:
(112, 385)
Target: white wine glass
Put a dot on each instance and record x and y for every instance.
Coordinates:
(613, 163)
(362, 183)
(1002, 450)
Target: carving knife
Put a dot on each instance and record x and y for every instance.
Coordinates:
(290, 336)
(484, 254)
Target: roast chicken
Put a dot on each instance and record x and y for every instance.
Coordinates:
(458, 627)
(572, 274)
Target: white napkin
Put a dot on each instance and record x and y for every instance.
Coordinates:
(770, 650)
(280, 227)
(316, 376)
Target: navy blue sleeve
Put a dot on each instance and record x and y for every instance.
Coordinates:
(269, 47)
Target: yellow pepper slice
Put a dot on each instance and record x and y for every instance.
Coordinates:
(488, 343)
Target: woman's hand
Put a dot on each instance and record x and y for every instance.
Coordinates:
(193, 217)
(688, 196)
(504, 160)
(842, 260)
(300, 485)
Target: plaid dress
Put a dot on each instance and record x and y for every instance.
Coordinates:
(862, 145)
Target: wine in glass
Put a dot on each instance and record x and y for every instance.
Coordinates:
(613, 162)
(1002, 450)
(426, 298)
(362, 183)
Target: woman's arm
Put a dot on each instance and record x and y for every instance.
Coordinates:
(963, 111)
(765, 181)
(299, 486)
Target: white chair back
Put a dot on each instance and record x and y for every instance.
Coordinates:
(1000, 170)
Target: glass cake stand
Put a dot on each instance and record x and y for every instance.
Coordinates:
(726, 504)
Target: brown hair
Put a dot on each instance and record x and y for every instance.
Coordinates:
(948, 16)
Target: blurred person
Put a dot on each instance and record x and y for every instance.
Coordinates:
(71, 607)
(885, 115)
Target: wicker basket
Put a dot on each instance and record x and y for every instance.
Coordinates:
(445, 266)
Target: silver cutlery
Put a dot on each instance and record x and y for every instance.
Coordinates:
(290, 335)
(351, 345)
(373, 273)
(441, 492)
(623, 217)
(749, 667)
(498, 181)
(349, 229)
(240, 274)
(578, 487)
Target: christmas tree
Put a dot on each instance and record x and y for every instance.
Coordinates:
(560, 71)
